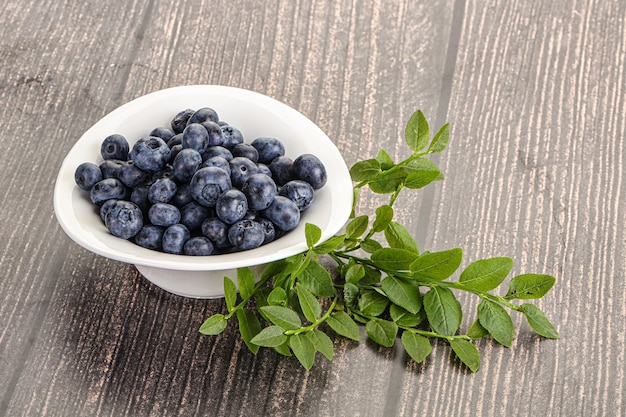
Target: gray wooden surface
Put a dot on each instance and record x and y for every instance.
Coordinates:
(534, 91)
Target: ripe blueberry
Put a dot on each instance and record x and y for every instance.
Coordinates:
(87, 175)
(124, 219)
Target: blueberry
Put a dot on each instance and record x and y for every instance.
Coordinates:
(300, 192)
(107, 189)
(195, 137)
(104, 208)
(179, 121)
(124, 219)
(217, 151)
(162, 190)
(115, 147)
(193, 214)
(231, 206)
(281, 169)
(177, 139)
(260, 191)
(240, 169)
(198, 246)
(232, 136)
(207, 184)
(251, 215)
(150, 154)
(139, 196)
(216, 136)
(204, 114)
(185, 164)
(217, 231)
(264, 169)
(246, 151)
(268, 149)
(150, 237)
(163, 214)
(309, 168)
(174, 238)
(130, 175)
(283, 213)
(162, 132)
(110, 168)
(246, 234)
(183, 195)
(217, 161)
(268, 229)
(166, 172)
(175, 151)
(87, 175)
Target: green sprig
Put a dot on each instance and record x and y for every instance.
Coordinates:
(381, 280)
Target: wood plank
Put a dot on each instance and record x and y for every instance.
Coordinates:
(88, 335)
(535, 172)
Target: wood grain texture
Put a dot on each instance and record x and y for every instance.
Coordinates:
(535, 95)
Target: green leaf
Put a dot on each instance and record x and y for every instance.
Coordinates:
(403, 293)
(249, 327)
(277, 297)
(486, 274)
(384, 215)
(443, 310)
(354, 273)
(322, 343)
(529, 286)
(245, 280)
(398, 237)
(365, 170)
(282, 317)
(393, 259)
(275, 269)
(370, 245)
(372, 303)
(388, 181)
(283, 348)
(404, 318)
(312, 234)
(350, 293)
(384, 159)
(317, 280)
(356, 194)
(308, 303)
(382, 332)
(343, 325)
(437, 265)
(497, 321)
(538, 321)
(357, 226)
(420, 179)
(330, 244)
(418, 347)
(271, 336)
(230, 293)
(466, 352)
(417, 132)
(303, 349)
(214, 325)
(440, 141)
(476, 331)
(372, 276)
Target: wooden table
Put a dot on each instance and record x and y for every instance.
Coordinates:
(534, 92)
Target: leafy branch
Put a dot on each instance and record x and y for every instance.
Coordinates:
(381, 279)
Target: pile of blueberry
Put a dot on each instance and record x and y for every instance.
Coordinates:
(196, 188)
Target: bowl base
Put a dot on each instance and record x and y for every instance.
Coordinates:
(192, 284)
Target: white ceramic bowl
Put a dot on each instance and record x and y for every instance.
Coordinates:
(252, 113)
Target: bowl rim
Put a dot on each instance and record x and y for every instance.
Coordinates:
(339, 188)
